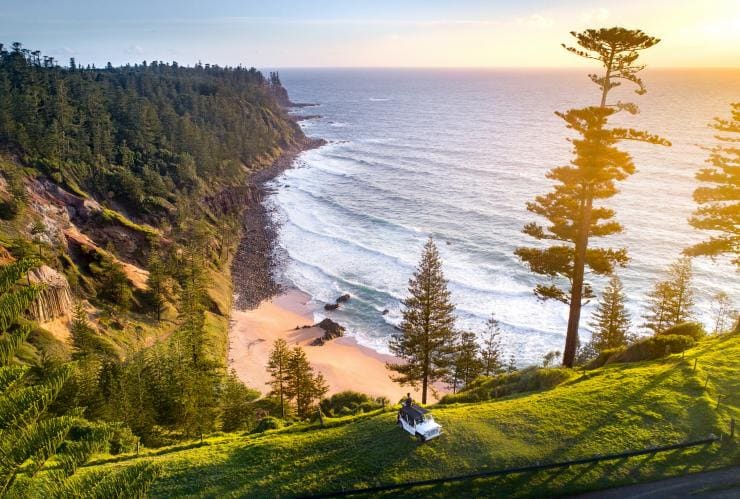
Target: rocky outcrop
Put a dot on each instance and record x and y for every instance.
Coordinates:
(331, 330)
(331, 306)
(344, 298)
(55, 297)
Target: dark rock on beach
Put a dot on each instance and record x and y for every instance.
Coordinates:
(331, 330)
(344, 298)
(331, 306)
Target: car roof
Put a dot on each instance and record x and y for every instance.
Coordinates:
(414, 411)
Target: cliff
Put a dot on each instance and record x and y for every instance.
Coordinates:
(55, 298)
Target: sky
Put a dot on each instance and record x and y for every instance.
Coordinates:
(358, 33)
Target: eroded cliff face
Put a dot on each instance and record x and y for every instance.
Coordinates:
(55, 299)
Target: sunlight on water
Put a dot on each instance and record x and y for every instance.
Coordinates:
(456, 154)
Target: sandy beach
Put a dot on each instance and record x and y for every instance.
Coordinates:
(345, 364)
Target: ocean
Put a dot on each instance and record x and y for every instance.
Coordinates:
(456, 155)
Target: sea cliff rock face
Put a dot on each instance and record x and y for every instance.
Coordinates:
(55, 299)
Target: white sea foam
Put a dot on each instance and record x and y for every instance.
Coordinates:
(459, 163)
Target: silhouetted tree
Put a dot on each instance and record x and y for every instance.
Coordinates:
(719, 201)
(591, 176)
(277, 366)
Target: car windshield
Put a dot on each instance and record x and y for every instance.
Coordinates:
(428, 418)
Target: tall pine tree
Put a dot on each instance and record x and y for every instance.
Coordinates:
(491, 354)
(591, 176)
(466, 362)
(277, 366)
(611, 321)
(427, 333)
(719, 201)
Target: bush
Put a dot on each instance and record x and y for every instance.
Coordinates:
(268, 423)
(654, 347)
(603, 357)
(694, 330)
(526, 380)
(348, 402)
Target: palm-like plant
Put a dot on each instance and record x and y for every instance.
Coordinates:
(35, 458)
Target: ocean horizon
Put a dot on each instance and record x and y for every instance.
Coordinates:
(456, 154)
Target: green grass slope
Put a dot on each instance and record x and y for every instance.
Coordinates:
(619, 407)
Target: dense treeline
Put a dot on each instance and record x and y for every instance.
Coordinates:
(141, 134)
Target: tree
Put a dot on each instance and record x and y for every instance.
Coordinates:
(158, 284)
(466, 364)
(671, 301)
(236, 408)
(277, 366)
(550, 358)
(491, 353)
(611, 321)
(303, 384)
(591, 176)
(719, 209)
(428, 327)
(724, 314)
(30, 437)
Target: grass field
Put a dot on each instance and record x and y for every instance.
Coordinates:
(617, 408)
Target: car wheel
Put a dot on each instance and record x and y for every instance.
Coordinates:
(420, 437)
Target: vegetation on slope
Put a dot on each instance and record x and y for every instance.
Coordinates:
(616, 408)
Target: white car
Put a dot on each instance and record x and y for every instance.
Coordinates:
(418, 422)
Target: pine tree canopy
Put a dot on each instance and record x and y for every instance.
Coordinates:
(428, 326)
(611, 321)
(571, 208)
(719, 210)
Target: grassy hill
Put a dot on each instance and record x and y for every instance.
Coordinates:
(616, 408)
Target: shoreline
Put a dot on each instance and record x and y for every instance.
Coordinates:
(264, 310)
(345, 364)
(254, 261)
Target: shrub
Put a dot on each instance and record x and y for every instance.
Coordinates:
(526, 380)
(603, 357)
(654, 347)
(349, 402)
(693, 329)
(268, 423)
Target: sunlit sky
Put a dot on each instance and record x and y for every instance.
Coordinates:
(385, 33)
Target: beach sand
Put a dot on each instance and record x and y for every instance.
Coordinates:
(345, 364)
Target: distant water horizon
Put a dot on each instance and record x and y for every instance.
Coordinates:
(455, 154)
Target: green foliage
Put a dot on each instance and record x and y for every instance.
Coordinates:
(694, 330)
(671, 301)
(268, 423)
(719, 208)
(491, 354)
(597, 165)
(602, 357)
(145, 135)
(616, 408)
(277, 366)
(652, 348)
(31, 438)
(349, 402)
(303, 386)
(425, 343)
(237, 410)
(521, 381)
(611, 321)
(465, 361)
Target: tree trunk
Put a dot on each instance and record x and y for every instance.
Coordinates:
(576, 290)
